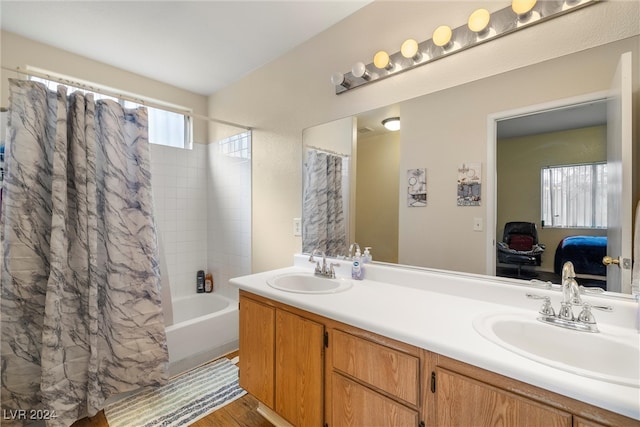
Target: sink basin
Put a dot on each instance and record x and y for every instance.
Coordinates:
(611, 357)
(308, 283)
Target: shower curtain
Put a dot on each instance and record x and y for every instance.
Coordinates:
(81, 304)
(324, 225)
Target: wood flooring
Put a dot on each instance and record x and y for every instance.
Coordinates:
(239, 413)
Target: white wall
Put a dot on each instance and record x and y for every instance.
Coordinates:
(294, 92)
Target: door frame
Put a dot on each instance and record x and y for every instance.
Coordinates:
(491, 174)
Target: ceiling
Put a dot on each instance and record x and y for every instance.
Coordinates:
(592, 113)
(199, 46)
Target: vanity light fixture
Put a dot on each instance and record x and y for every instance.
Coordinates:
(522, 7)
(481, 27)
(479, 21)
(391, 123)
(381, 60)
(411, 50)
(442, 36)
(338, 79)
(360, 71)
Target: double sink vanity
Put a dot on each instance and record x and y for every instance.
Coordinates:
(417, 347)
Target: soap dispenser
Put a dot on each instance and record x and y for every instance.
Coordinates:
(357, 270)
(366, 256)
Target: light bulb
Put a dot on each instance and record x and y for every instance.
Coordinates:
(479, 20)
(522, 7)
(442, 35)
(360, 70)
(409, 49)
(381, 60)
(337, 79)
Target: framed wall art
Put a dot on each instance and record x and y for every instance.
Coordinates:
(416, 187)
(469, 184)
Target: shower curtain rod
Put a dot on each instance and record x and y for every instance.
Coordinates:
(106, 92)
(326, 151)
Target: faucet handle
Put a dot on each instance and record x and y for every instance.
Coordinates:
(599, 307)
(590, 290)
(332, 271)
(547, 308)
(585, 315)
(566, 312)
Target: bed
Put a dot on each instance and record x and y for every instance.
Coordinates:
(585, 252)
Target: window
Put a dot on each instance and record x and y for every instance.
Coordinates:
(165, 127)
(238, 146)
(574, 196)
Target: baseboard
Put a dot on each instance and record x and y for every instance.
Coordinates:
(271, 416)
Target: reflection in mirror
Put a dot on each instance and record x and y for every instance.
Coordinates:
(443, 129)
(377, 171)
(551, 176)
(326, 188)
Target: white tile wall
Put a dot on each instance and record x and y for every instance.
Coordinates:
(179, 185)
(229, 205)
(202, 201)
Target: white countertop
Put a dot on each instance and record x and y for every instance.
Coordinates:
(435, 310)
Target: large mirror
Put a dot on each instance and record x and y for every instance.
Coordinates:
(489, 131)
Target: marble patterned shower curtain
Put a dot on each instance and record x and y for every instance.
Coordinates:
(81, 304)
(324, 225)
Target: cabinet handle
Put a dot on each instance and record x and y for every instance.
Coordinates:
(433, 382)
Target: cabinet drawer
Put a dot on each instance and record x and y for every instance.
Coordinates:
(384, 368)
(356, 405)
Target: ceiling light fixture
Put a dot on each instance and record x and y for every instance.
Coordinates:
(392, 123)
(481, 27)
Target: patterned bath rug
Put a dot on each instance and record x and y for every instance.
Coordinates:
(183, 400)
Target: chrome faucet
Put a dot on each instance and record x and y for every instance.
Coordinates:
(324, 270)
(570, 297)
(351, 248)
(570, 291)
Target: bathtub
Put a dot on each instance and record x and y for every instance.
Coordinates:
(205, 326)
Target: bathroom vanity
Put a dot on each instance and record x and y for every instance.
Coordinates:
(406, 347)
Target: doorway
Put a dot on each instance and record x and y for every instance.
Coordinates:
(523, 142)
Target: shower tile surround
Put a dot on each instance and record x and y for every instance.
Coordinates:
(202, 201)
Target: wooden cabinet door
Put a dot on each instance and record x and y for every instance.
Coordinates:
(299, 369)
(462, 401)
(257, 344)
(356, 405)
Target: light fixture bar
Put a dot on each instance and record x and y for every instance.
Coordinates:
(501, 23)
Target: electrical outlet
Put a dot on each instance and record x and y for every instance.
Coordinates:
(297, 227)
(477, 224)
